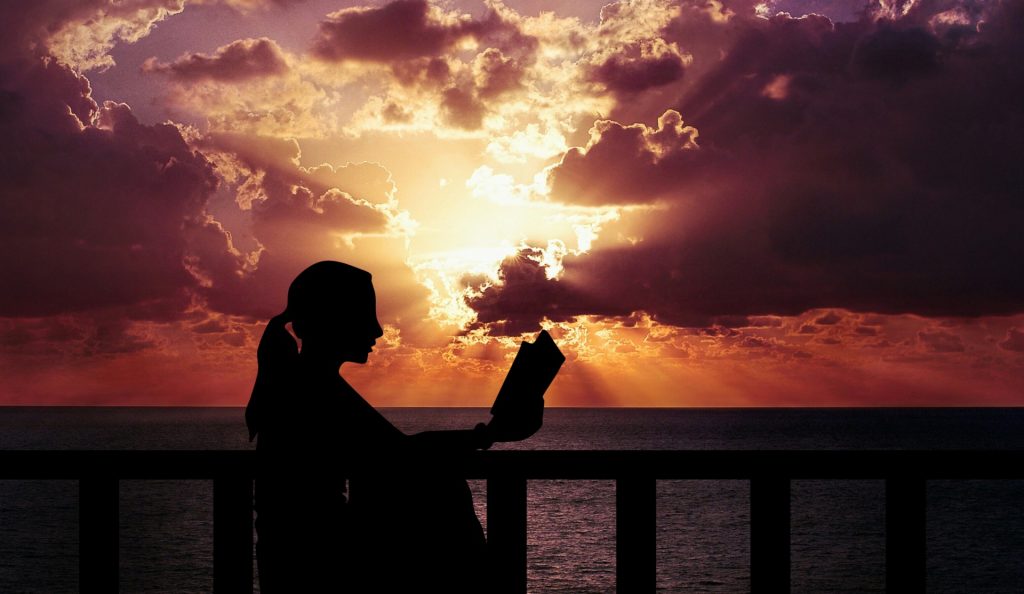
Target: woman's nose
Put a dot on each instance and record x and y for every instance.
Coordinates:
(378, 331)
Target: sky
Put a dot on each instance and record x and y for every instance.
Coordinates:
(791, 203)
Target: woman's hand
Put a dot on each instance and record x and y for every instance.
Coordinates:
(516, 424)
(483, 440)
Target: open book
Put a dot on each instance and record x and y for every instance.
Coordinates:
(519, 406)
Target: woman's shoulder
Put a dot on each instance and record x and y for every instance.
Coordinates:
(368, 419)
(341, 393)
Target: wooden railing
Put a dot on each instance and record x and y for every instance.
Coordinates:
(507, 472)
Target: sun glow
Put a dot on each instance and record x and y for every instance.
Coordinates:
(499, 170)
(452, 276)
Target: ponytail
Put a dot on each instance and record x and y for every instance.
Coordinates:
(276, 356)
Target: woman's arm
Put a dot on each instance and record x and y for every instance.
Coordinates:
(478, 438)
(366, 425)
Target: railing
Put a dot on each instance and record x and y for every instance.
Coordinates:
(635, 474)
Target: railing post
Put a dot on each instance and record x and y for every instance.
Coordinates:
(905, 568)
(636, 546)
(232, 536)
(506, 534)
(769, 535)
(97, 538)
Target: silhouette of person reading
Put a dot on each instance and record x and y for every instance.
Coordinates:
(319, 529)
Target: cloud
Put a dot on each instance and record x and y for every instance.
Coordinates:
(524, 298)
(461, 93)
(1014, 340)
(91, 29)
(93, 201)
(627, 164)
(297, 215)
(461, 109)
(850, 186)
(897, 54)
(254, 97)
(108, 220)
(941, 341)
(431, 69)
(638, 19)
(429, 73)
(829, 319)
(639, 65)
(239, 60)
(402, 30)
(496, 74)
(78, 33)
(248, 7)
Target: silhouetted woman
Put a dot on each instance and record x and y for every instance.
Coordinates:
(396, 532)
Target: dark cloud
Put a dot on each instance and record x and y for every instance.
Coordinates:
(764, 321)
(393, 113)
(114, 336)
(277, 162)
(28, 29)
(717, 332)
(829, 319)
(106, 221)
(80, 334)
(897, 54)
(237, 61)
(838, 10)
(941, 341)
(210, 327)
(460, 108)
(496, 74)
(1014, 340)
(463, 97)
(294, 214)
(754, 342)
(735, 321)
(628, 164)
(410, 29)
(298, 215)
(419, 43)
(638, 65)
(525, 298)
(870, 166)
(429, 73)
(93, 202)
(398, 30)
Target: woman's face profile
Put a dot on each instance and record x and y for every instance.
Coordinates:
(354, 335)
(337, 319)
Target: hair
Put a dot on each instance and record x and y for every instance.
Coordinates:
(324, 289)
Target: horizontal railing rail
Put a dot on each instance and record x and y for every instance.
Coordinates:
(544, 464)
(507, 473)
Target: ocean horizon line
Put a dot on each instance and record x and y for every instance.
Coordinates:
(569, 407)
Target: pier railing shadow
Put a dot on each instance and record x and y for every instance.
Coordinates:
(635, 474)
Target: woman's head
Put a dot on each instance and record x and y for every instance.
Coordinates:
(333, 310)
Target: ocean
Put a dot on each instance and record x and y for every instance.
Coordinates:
(975, 529)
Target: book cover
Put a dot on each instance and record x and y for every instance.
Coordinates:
(520, 401)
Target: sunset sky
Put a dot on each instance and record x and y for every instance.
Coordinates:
(791, 203)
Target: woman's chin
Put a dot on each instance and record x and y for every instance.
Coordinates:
(359, 358)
